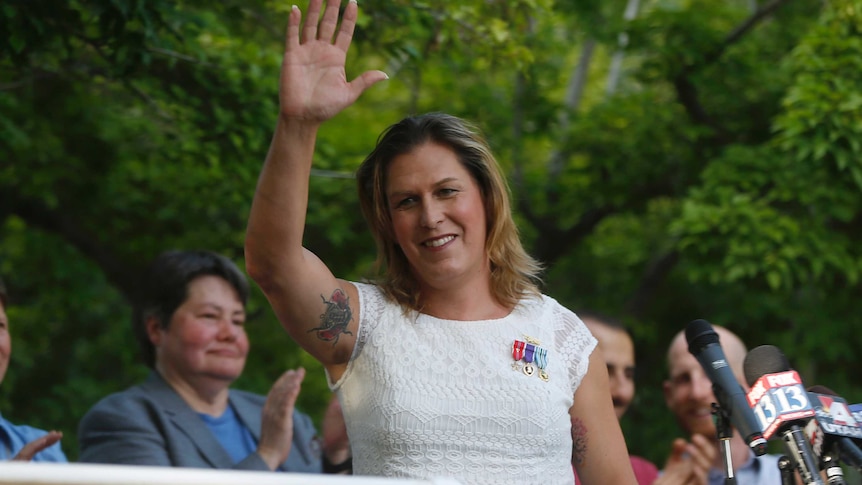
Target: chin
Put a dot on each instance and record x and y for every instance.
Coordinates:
(705, 429)
(225, 374)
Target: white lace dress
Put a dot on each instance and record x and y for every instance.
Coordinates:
(425, 397)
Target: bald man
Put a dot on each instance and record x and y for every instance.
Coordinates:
(688, 394)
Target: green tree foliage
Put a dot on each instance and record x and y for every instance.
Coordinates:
(721, 180)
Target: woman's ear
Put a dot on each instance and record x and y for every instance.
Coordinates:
(154, 330)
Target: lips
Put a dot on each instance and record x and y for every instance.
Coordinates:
(226, 352)
(437, 242)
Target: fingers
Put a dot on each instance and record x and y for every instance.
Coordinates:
(276, 431)
(286, 388)
(292, 38)
(680, 473)
(330, 20)
(677, 452)
(326, 27)
(703, 453)
(30, 449)
(365, 81)
(309, 29)
(348, 24)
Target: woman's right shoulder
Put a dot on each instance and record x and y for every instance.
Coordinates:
(135, 397)
(372, 299)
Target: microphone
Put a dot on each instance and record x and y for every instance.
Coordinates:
(781, 406)
(703, 344)
(833, 428)
(856, 412)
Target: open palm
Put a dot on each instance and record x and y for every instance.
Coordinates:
(314, 86)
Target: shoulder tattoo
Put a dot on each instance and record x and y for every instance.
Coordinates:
(334, 320)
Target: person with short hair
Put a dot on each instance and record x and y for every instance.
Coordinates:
(19, 441)
(189, 321)
(617, 346)
(689, 396)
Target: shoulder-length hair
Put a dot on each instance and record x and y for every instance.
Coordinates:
(514, 273)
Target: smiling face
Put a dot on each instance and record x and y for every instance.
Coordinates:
(205, 338)
(438, 216)
(688, 391)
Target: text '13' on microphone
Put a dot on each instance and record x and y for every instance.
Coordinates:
(781, 405)
(703, 344)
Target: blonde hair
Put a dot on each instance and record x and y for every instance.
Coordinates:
(514, 273)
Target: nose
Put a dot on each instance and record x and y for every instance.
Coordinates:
(701, 388)
(432, 214)
(227, 330)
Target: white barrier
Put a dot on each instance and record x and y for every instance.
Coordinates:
(25, 473)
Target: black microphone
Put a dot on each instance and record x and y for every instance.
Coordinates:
(782, 406)
(703, 344)
(834, 427)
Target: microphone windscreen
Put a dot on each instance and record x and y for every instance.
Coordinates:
(699, 333)
(765, 359)
(818, 389)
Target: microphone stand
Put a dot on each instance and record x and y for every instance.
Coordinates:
(724, 433)
(832, 466)
(785, 466)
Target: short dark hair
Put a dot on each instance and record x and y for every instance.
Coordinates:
(165, 287)
(606, 320)
(3, 294)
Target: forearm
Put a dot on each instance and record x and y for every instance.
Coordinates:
(277, 220)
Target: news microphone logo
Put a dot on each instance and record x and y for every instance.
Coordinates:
(833, 418)
(779, 398)
(834, 415)
(856, 412)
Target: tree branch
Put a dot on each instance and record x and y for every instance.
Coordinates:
(63, 224)
(743, 28)
(655, 273)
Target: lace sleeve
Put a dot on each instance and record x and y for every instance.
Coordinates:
(371, 309)
(576, 343)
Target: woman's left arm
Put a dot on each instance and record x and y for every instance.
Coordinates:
(598, 449)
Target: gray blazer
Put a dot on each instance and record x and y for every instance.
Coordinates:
(150, 424)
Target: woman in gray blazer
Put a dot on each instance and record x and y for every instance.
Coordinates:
(189, 321)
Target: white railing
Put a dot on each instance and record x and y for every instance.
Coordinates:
(24, 473)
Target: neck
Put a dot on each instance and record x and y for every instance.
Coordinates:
(204, 395)
(467, 297)
(464, 305)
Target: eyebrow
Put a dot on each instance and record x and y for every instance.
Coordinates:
(221, 308)
(444, 181)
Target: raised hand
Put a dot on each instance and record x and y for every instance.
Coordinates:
(276, 430)
(314, 86)
(689, 462)
(30, 449)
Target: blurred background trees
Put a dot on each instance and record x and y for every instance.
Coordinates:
(668, 160)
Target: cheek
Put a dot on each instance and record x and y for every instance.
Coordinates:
(243, 343)
(401, 228)
(196, 336)
(629, 390)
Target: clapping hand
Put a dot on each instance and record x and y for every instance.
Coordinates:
(30, 449)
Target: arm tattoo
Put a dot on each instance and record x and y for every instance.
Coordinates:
(334, 320)
(579, 442)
